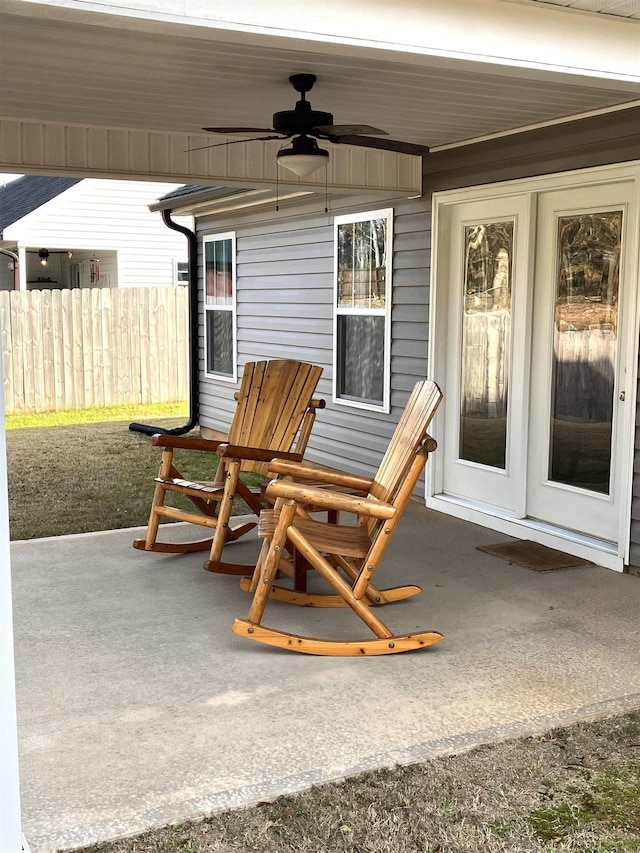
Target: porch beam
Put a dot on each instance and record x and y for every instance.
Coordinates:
(57, 148)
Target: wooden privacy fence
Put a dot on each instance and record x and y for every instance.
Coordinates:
(71, 349)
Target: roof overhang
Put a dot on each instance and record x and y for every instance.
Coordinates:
(122, 88)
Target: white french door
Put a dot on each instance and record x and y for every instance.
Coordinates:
(579, 376)
(486, 365)
(535, 347)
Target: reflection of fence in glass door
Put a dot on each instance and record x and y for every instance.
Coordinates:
(585, 349)
(486, 343)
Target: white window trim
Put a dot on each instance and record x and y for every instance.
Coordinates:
(176, 280)
(385, 406)
(214, 238)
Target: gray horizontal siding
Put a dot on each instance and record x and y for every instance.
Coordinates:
(285, 310)
(594, 141)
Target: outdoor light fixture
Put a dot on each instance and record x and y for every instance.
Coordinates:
(303, 157)
(43, 254)
(69, 254)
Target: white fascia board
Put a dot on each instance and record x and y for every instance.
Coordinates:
(500, 36)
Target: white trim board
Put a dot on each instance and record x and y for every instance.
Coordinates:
(599, 552)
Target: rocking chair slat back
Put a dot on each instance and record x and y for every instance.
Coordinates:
(275, 412)
(407, 438)
(272, 403)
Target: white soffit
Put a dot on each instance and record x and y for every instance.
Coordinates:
(127, 78)
(617, 8)
(126, 94)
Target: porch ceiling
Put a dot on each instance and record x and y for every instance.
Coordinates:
(170, 77)
(618, 8)
(123, 89)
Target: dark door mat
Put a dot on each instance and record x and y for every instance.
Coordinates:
(534, 556)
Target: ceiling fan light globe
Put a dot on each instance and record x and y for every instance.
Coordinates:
(303, 165)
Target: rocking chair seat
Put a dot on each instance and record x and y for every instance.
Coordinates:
(333, 539)
(186, 487)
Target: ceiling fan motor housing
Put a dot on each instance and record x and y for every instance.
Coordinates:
(301, 120)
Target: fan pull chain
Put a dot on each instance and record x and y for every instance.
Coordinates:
(326, 190)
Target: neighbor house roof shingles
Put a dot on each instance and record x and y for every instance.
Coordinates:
(24, 195)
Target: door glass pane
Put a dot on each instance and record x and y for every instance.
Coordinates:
(486, 343)
(585, 349)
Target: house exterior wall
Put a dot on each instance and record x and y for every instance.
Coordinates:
(284, 310)
(104, 216)
(598, 140)
(292, 263)
(594, 141)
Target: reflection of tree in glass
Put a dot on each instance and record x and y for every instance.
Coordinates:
(588, 270)
(362, 248)
(488, 266)
(585, 349)
(486, 343)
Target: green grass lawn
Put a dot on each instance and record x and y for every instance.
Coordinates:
(81, 471)
(147, 413)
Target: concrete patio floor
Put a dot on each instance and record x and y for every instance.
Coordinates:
(138, 707)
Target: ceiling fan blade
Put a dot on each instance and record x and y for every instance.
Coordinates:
(350, 130)
(234, 142)
(383, 144)
(234, 130)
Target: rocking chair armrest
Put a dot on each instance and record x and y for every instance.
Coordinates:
(255, 454)
(325, 499)
(331, 476)
(180, 441)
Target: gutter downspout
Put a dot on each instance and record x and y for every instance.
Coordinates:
(194, 401)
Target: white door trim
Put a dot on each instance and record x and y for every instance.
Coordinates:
(602, 553)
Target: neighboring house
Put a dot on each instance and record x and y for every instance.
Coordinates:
(70, 232)
(518, 296)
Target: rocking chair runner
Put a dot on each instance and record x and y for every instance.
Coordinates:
(274, 416)
(345, 556)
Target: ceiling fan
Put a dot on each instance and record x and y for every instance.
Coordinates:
(304, 125)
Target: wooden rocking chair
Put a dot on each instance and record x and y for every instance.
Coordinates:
(273, 419)
(345, 556)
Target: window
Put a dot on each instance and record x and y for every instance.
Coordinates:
(181, 272)
(362, 308)
(219, 258)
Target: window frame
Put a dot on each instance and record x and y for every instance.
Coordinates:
(177, 262)
(385, 404)
(215, 238)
